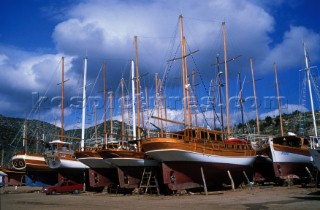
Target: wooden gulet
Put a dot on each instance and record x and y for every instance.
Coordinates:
(129, 160)
(289, 153)
(59, 154)
(184, 154)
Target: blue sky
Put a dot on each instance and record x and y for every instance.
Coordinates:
(35, 34)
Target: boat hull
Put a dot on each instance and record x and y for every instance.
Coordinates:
(290, 162)
(182, 169)
(130, 165)
(29, 162)
(315, 154)
(56, 162)
(92, 159)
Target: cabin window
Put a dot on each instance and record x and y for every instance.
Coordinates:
(211, 136)
(204, 135)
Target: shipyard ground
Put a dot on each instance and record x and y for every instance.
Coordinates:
(257, 197)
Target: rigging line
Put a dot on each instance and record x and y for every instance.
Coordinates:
(202, 82)
(168, 66)
(36, 107)
(47, 89)
(314, 84)
(95, 82)
(154, 37)
(202, 20)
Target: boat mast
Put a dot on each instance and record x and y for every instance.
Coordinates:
(255, 97)
(62, 100)
(147, 110)
(241, 101)
(111, 114)
(133, 102)
(104, 104)
(278, 96)
(220, 93)
(24, 137)
(95, 122)
(310, 91)
(195, 96)
(226, 76)
(122, 108)
(184, 73)
(84, 102)
(160, 105)
(213, 104)
(157, 98)
(137, 86)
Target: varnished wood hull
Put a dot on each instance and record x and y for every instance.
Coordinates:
(29, 162)
(182, 162)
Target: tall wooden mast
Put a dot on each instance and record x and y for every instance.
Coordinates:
(241, 101)
(95, 122)
(62, 100)
(157, 97)
(195, 96)
(104, 104)
(184, 71)
(111, 114)
(278, 97)
(147, 110)
(137, 87)
(122, 108)
(226, 76)
(255, 97)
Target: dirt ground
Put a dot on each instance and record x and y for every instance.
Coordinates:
(257, 197)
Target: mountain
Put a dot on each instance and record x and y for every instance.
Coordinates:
(11, 131)
(11, 135)
(297, 122)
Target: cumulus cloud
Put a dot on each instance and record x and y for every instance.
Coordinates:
(104, 30)
(289, 53)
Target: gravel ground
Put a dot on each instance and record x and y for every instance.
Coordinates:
(257, 197)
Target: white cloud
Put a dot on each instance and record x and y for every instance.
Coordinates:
(105, 30)
(287, 109)
(3, 59)
(289, 53)
(33, 73)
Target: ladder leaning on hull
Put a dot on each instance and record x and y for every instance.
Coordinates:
(149, 181)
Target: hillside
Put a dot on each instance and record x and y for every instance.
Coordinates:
(296, 122)
(11, 134)
(11, 130)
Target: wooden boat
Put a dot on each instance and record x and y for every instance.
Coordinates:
(25, 162)
(130, 165)
(289, 154)
(29, 161)
(195, 155)
(102, 174)
(34, 168)
(59, 153)
(290, 157)
(186, 153)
